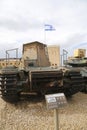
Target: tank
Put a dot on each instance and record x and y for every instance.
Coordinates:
(36, 76)
(15, 82)
(77, 62)
(80, 64)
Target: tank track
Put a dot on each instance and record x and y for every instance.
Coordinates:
(8, 86)
(84, 90)
(73, 82)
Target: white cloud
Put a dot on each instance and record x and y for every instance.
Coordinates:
(23, 21)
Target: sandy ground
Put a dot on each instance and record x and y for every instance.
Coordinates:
(33, 115)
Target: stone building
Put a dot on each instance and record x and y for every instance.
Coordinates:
(10, 61)
(54, 55)
(35, 54)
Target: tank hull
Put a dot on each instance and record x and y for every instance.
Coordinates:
(14, 82)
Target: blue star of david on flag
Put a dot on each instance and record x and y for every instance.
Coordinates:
(49, 27)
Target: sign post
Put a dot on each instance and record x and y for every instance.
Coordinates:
(55, 101)
(56, 119)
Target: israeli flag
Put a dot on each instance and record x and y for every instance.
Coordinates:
(49, 27)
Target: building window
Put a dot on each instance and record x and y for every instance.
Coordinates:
(52, 64)
(31, 64)
(6, 63)
(3, 64)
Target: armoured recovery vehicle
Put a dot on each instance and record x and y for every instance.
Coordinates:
(39, 79)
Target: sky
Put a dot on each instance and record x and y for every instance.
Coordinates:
(22, 21)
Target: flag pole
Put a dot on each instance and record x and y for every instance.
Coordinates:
(47, 27)
(44, 36)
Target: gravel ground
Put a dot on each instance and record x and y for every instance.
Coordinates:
(33, 115)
